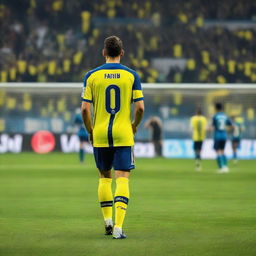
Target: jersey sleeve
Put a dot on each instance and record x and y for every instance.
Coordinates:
(137, 94)
(87, 89)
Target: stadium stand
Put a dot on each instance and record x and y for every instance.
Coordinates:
(195, 41)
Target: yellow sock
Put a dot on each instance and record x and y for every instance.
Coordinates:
(121, 200)
(105, 197)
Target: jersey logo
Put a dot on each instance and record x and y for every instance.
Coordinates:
(111, 76)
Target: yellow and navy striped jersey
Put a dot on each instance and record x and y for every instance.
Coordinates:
(112, 88)
(198, 124)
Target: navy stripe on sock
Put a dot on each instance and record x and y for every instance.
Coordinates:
(106, 204)
(121, 199)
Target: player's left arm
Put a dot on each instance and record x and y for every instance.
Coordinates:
(138, 114)
(138, 99)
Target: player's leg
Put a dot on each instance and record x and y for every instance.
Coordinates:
(233, 149)
(82, 139)
(104, 160)
(224, 160)
(123, 163)
(81, 150)
(197, 149)
(105, 197)
(235, 145)
(219, 159)
(122, 195)
(223, 156)
(158, 147)
(218, 154)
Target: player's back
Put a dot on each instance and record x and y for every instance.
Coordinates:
(220, 123)
(198, 124)
(112, 87)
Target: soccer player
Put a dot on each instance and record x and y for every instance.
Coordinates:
(198, 124)
(236, 136)
(111, 88)
(82, 134)
(220, 124)
(155, 124)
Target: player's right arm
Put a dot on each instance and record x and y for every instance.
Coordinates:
(138, 114)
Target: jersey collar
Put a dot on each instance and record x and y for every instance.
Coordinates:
(112, 65)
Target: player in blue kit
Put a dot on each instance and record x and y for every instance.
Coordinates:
(236, 136)
(220, 124)
(82, 134)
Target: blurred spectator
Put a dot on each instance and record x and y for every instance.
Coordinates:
(59, 40)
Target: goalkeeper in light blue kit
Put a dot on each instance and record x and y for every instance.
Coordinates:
(82, 134)
(220, 124)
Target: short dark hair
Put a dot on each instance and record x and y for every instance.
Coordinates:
(218, 106)
(113, 46)
(199, 111)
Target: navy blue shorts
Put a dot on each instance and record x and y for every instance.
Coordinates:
(119, 158)
(236, 141)
(219, 144)
(198, 145)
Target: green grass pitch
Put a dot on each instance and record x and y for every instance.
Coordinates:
(48, 206)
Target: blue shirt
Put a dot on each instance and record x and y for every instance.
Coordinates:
(220, 121)
(79, 122)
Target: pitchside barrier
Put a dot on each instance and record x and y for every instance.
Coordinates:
(40, 117)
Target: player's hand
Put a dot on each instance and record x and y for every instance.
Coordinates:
(91, 138)
(134, 128)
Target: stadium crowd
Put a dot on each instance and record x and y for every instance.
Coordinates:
(59, 40)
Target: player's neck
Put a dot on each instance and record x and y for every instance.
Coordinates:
(113, 60)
